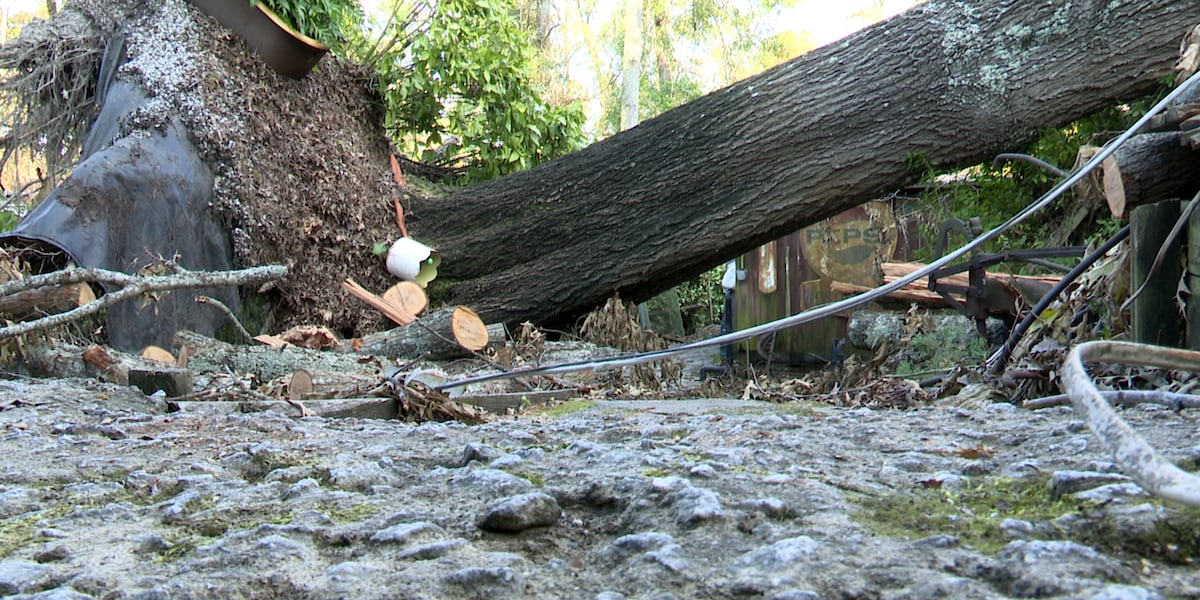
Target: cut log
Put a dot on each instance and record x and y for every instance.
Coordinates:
(1150, 168)
(407, 295)
(206, 354)
(307, 384)
(49, 300)
(447, 333)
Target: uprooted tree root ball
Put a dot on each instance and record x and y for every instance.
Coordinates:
(301, 167)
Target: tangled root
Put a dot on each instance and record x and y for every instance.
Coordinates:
(48, 84)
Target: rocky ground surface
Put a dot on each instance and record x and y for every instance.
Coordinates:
(104, 494)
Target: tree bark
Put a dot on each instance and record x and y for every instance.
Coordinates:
(953, 82)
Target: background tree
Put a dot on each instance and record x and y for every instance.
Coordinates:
(459, 92)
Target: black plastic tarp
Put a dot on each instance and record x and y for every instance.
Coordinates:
(137, 194)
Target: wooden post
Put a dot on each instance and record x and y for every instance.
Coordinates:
(1155, 314)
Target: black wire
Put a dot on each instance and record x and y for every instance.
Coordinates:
(998, 360)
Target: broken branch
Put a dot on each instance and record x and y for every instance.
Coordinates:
(134, 285)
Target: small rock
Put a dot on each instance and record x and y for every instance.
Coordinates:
(302, 488)
(54, 553)
(483, 579)
(1116, 591)
(361, 477)
(1069, 482)
(519, 513)
(939, 541)
(696, 505)
(780, 554)
(433, 550)
(402, 533)
(61, 593)
(19, 501)
(275, 547)
(476, 452)
(93, 491)
(506, 461)
(796, 595)
(492, 483)
(18, 576)
(669, 557)
(1016, 528)
(639, 542)
(1112, 492)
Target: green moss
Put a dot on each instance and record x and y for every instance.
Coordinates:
(348, 513)
(1174, 537)
(534, 478)
(22, 530)
(565, 407)
(180, 548)
(972, 513)
(18, 532)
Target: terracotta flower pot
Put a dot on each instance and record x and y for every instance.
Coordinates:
(289, 52)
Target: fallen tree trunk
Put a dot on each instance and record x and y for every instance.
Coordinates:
(452, 332)
(678, 194)
(1150, 168)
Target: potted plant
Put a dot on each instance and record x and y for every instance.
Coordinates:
(290, 35)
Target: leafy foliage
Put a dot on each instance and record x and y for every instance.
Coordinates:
(460, 94)
(331, 22)
(994, 193)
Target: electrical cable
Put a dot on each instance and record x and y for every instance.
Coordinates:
(997, 360)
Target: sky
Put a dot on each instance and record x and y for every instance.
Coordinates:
(831, 20)
(16, 6)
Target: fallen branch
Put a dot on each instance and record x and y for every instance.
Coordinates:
(1173, 400)
(1133, 454)
(134, 285)
(220, 306)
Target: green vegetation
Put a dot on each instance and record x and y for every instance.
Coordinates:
(972, 513)
(942, 348)
(348, 513)
(331, 22)
(564, 408)
(994, 193)
(458, 91)
(535, 478)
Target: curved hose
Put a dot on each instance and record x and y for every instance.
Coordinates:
(1133, 454)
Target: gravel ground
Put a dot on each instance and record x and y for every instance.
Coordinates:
(104, 494)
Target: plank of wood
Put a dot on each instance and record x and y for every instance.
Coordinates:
(359, 408)
(515, 401)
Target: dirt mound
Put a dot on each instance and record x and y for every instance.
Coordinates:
(301, 167)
